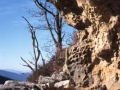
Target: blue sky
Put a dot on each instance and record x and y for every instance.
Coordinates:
(15, 39)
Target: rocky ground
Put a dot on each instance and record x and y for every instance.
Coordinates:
(58, 81)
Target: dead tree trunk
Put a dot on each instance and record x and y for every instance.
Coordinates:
(56, 26)
(36, 51)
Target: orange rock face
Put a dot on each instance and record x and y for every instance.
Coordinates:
(94, 60)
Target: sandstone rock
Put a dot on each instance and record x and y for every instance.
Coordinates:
(93, 62)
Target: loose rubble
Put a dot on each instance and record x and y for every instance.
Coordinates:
(58, 81)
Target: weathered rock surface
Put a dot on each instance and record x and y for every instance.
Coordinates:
(43, 80)
(17, 85)
(58, 81)
(93, 61)
(56, 76)
(64, 85)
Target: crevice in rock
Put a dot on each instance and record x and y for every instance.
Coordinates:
(93, 59)
(95, 62)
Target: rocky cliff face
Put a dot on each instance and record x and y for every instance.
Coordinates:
(93, 61)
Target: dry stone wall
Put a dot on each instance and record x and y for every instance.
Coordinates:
(93, 61)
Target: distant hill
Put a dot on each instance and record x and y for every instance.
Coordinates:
(12, 75)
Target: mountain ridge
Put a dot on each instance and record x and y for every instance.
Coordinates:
(15, 75)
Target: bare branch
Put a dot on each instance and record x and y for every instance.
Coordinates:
(31, 62)
(54, 24)
(30, 26)
(36, 49)
(63, 36)
(39, 4)
(27, 64)
(49, 26)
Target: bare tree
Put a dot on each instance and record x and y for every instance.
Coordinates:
(54, 22)
(36, 51)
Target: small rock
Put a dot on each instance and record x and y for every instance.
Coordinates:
(44, 80)
(59, 76)
(63, 85)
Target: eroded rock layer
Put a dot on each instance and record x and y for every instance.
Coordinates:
(93, 61)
